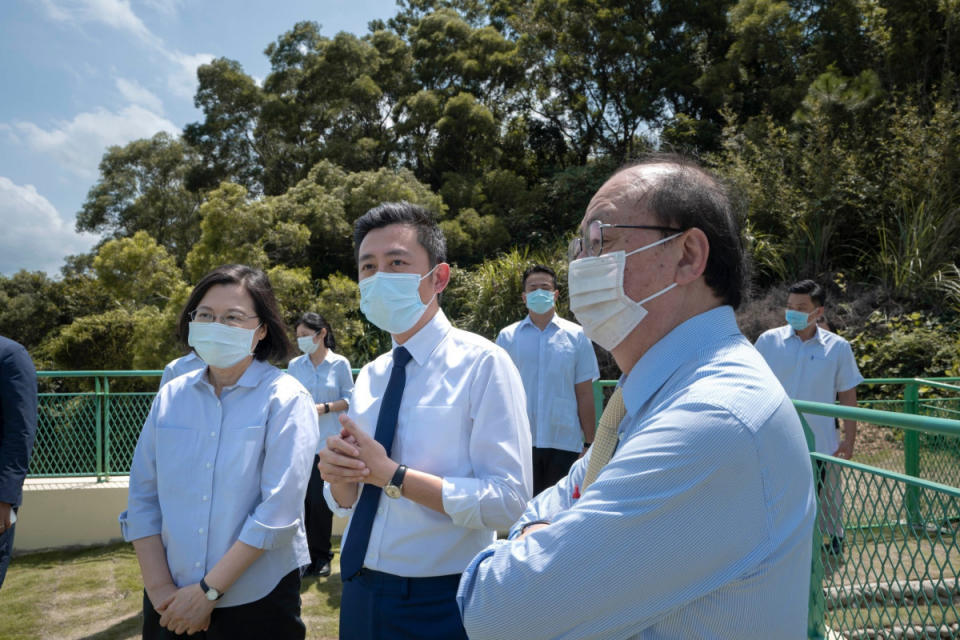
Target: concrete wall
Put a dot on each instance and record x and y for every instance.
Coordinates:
(76, 512)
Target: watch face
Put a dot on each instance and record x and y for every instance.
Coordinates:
(212, 594)
(392, 491)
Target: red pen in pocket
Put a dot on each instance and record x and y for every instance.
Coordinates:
(576, 491)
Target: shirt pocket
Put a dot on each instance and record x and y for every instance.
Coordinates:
(434, 440)
(819, 369)
(241, 448)
(562, 360)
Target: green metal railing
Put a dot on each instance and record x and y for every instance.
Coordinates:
(891, 569)
(89, 433)
(896, 575)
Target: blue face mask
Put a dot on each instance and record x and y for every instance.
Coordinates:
(540, 300)
(391, 301)
(797, 319)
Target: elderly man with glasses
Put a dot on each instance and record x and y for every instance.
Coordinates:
(692, 514)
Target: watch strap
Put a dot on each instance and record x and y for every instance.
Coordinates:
(398, 475)
(206, 588)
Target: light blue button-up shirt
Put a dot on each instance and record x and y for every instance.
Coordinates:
(551, 362)
(180, 366)
(700, 526)
(209, 471)
(815, 370)
(328, 381)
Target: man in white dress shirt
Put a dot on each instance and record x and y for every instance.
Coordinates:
(454, 461)
(558, 366)
(816, 365)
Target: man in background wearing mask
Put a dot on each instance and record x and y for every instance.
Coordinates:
(558, 366)
(816, 365)
(691, 515)
(434, 455)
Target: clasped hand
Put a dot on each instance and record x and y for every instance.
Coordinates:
(354, 456)
(186, 610)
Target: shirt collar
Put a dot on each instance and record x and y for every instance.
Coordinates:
(249, 378)
(819, 335)
(528, 322)
(683, 343)
(423, 342)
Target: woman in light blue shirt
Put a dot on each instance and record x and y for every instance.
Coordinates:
(326, 375)
(220, 472)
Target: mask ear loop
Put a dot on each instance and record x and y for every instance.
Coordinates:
(652, 245)
(425, 276)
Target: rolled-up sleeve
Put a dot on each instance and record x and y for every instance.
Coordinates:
(340, 512)
(500, 451)
(289, 447)
(142, 517)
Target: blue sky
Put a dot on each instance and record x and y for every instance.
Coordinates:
(78, 76)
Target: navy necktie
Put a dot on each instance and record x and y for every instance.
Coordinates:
(355, 546)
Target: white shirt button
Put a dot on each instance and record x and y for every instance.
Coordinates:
(213, 434)
(380, 511)
(200, 530)
(205, 498)
(196, 564)
(209, 465)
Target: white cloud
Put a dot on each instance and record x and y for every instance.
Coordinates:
(34, 236)
(113, 13)
(135, 93)
(118, 14)
(79, 144)
(168, 7)
(182, 81)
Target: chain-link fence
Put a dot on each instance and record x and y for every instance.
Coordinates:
(886, 555)
(91, 430)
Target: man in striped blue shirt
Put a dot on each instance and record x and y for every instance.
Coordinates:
(700, 525)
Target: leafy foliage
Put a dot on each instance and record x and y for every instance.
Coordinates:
(837, 125)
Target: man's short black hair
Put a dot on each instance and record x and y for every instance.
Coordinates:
(810, 288)
(539, 268)
(429, 234)
(689, 196)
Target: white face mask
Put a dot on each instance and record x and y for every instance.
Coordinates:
(219, 345)
(307, 345)
(598, 300)
(392, 302)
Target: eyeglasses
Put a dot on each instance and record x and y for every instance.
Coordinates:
(231, 318)
(591, 244)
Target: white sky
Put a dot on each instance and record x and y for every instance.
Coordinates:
(77, 76)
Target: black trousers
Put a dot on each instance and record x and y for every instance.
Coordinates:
(549, 466)
(318, 519)
(276, 615)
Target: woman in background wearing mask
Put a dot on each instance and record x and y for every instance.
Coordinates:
(326, 375)
(220, 472)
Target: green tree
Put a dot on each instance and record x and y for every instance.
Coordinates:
(232, 105)
(137, 271)
(235, 230)
(143, 187)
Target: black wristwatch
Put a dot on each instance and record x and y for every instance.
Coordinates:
(211, 593)
(394, 488)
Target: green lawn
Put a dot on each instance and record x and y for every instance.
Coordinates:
(96, 594)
